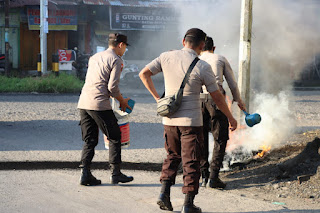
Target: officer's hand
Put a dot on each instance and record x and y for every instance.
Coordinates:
(233, 124)
(241, 105)
(124, 104)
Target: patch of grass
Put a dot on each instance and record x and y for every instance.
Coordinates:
(63, 83)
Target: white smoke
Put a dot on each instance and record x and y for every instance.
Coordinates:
(276, 125)
(219, 19)
(284, 39)
(285, 36)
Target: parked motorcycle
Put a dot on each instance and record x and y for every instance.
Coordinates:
(81, 63)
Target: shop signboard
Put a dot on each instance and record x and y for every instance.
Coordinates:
(59, 19)
(143, 18)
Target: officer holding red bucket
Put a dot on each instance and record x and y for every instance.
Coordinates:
(101, 83)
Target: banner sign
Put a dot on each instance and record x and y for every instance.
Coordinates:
(141, 18)
(66, 55)
(59, 19)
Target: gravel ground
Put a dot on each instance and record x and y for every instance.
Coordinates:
(305, 106)
(36, 117)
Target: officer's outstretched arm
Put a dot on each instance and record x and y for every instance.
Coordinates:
(241, 105)
(145, 76)
(219, 100)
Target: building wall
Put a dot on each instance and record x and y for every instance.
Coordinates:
(92, 32)
(30, 46)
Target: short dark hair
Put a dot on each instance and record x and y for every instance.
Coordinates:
(209, 44)
(195, 36)
(117, 38)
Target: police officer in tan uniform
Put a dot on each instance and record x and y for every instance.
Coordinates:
(214, 120)
(183, 129)
(102, 82)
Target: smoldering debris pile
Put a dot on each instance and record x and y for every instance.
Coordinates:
(290, 160)
(240, 159)
(292, 170)
(306, 161)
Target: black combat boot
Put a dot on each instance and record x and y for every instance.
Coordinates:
(205, 177)
(188, 206)
(87, 179)
(164, 198)
(117, 176)
(215, 182)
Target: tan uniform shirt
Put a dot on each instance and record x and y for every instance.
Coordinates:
(102, 81)
(221, 67)
(174, 65)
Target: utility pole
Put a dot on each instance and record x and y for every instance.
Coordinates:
(245, 51)
(6, 37)
(43, 34)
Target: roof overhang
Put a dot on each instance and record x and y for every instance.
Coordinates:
(22, 3)
(130, 3)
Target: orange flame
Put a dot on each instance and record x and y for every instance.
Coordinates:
(265, 149)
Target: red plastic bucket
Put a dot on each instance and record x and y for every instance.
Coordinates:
(123, 122)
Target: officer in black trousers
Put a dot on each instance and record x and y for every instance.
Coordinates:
(102, 82)
(214, 120)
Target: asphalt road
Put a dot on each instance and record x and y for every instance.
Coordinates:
(50, 122)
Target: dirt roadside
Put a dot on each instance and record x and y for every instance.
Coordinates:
(261, 178)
